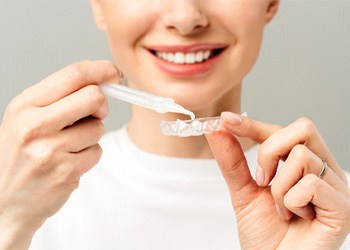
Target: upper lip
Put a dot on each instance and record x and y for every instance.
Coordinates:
(186, 48)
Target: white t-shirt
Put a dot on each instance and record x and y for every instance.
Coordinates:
(136, 200)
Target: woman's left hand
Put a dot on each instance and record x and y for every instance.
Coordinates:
(300, 209)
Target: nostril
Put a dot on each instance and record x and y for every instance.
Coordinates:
(198, 29)
(185, 18)
(188, 30)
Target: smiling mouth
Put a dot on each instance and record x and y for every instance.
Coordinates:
(195, 57)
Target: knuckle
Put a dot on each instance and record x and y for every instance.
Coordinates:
(106, 64)
(96, 96)
(41, 157)
(100, 128)
(77, 70)
(97, 128)
(32, 131)
(46, 155)
(28, 133)
(265, 150)
(73, 185)
(306, 125)
(97, 101)
(104, 110)
(66, 176)
(289, 202)
(96, 155)
(14, 107)
(310, 182)
(98, 152)
(108, 67)
(57, 146)
(300, 153)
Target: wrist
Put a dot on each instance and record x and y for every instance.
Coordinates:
(15, 235)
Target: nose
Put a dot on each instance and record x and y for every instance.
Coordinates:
(185, 17)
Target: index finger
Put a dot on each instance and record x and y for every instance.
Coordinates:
(68, 80)
(256, 130)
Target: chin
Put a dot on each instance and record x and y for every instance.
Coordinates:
(197, 95)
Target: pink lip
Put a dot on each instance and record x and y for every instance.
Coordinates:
(186, 70)
(186, 48)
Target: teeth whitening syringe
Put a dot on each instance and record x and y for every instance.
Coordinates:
(158, 103)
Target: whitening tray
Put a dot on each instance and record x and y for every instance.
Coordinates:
(194, 127)
(158, 103)
(180, 128)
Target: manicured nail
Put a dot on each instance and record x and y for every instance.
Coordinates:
(280, 212)
(259, 175)
(232, 118)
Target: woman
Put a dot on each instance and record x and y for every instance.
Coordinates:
(153, 191)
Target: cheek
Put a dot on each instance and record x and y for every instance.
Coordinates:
(247, 50)
(127, 22)
(245, 24)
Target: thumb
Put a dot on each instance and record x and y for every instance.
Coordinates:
(233, 165)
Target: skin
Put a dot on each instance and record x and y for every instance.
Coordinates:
(298, 210)
(45, 159)
(41, 163)
(183, 23)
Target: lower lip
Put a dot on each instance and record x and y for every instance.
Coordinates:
(186, 70)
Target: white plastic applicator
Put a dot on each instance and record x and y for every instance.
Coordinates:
(158, 103)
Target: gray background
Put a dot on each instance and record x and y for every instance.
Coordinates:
(303, 69)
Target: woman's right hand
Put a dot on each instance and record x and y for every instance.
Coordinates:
(48, 139)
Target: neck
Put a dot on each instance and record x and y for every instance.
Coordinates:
(144, 129)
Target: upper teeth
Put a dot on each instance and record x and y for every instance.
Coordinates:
(182, 58)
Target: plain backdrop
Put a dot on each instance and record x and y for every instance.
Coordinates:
(303, 69)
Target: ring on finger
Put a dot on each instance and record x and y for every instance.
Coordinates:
(324, 168)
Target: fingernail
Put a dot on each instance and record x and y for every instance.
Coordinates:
(280, 212)
(232, 118)
(122, 78)
(259, 175)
